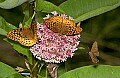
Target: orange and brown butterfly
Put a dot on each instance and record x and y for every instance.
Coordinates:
(62, 26)
(94, 53)
(25, 36)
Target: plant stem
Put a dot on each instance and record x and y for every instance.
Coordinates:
(35, 68)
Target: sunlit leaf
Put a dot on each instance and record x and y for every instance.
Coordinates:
(8, 4)
(47, 7)
(5, 27)
(8, 72)
(84, 9)
(100, 71)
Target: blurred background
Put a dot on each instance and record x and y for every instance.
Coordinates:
(104, 28)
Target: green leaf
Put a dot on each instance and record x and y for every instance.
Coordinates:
(61, 70)
(13, 16)
(5, 27)
(2, 32)
(84, 9)
(100, 71)
(8, 4)
(42, 71)
(40, 16)
(47, 7)
(26, 8)
(21, 49)
(39, 76)
(8, 72)
(28, 22)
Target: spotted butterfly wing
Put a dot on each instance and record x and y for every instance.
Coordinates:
(25, 36)
(62, 26)
(70, 28)
(94, 53)
(54, 23)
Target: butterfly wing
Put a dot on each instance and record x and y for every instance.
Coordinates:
(94, 49)
(70, 28)
(93, 57)
(67, 27)
(78, 29)
(25, 36)
(54, 23)
(28, 39)
(14, 34)
(94, 52)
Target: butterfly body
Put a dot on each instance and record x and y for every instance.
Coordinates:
(62, 26)
(25, 36)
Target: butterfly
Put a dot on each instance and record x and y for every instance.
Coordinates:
(94, 52)
(63, 26)
(25, 36)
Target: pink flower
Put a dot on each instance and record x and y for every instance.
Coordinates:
(54, 13)
(47, 17)
(52, 47)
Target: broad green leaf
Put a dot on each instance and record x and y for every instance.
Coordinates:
(5, 27)
(8, 72)
(47, 7)
(84, 9)
(2, 32)
(26, 8)
(100, 71)
(8, 4)
(40, 16)
(39, 5)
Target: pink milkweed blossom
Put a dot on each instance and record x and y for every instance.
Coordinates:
(52, 47)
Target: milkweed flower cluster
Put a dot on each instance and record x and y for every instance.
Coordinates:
(52, 47)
